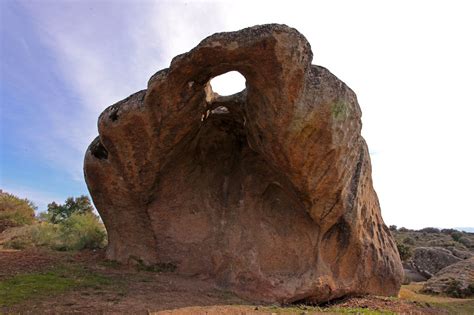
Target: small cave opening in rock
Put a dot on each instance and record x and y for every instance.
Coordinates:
(229, 83)
(98, 150)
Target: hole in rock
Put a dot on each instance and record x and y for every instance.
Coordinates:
(98, 150)
(228, 83)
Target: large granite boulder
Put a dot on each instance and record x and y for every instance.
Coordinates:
(456, 280)
(429, 260)
(267, 192)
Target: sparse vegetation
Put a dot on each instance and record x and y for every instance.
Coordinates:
(413, 292)
(79, 231)
(466, 241)
(72, 226)
(428, 237)
(455, 289)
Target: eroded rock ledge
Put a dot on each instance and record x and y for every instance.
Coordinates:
(268, 192)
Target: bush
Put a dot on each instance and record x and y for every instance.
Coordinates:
(392, 227)
(404, 251)
(47, 235)
(15, 211)
(79, 231)
(83, 231)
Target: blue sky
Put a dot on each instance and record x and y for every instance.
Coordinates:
(411, 65)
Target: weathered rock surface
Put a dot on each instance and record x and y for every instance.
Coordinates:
(272, 199)
(456, 280)
(463, 254)
(429, 260)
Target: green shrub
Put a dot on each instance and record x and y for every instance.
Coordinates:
(79, 231)
(404, 251)
(47, 235)
(15, 211)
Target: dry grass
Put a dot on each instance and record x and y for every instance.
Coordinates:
(412, 292)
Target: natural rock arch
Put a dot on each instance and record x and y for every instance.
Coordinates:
(272, 198)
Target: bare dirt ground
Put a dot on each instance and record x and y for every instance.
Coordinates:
(118, 289)
(13, 262)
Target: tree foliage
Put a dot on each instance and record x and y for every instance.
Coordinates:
(16, 211)
(404, 251)
(59, 212)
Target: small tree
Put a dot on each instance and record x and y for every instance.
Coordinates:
(393, 228)
(79, 205)
(404, 251)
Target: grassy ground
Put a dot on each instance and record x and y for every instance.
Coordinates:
(86, 283)
(23, 287)
(412, 292)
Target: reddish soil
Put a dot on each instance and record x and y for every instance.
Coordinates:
(14, 262)
(142, 292)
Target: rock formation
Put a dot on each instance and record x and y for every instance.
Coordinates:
(455, 280)
(429, 260)
(269, 196)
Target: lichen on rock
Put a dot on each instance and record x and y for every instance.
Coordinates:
(271, 198)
